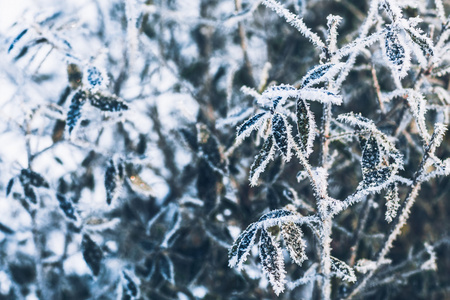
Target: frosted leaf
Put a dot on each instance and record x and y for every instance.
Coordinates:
(377, 178)
(242, 246)
(95, 77)
(425, 43)
(9, 186)
(35, 179)
(18, 37)
(293, 237)
(392, 203)
(275, 96)
(357, 120)
(74, 113)
(261, 160)
(272, 261)
(166, 268)
(396, 53)
(343, 270)
(129, 285)
(113, 182)
(248, 126)
(281, 136)
(109, 103)
(306, 126)
(320, 74)
(92, 254)
(320, 95)
(418, 104)
(66, 206)
(314, 74)
(371, 156)
(29, 193)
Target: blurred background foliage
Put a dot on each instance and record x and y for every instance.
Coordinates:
(181, 193)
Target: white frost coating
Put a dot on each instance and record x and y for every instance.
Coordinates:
(295, 22)
(333, 23)
(199, 291)
(5, 283)
(343, 270)
(430, 264)
(320, 95)
(418, 107)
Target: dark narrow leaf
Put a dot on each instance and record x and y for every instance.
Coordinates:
(130, 287)
(29, 192)
(111, 185)
(74, 113)
(377, 177)
(371, 156)
(33, 178)
(394, 50)
(248, 126)
(107, 103)
(22, 53)
(272, 261)
(9, 186)
(279, 131)
(305, 120)
(315, 73)
(5, 229)
(242, 246)
(92, 254)
(66, 206)
(261, 160)
(166, 268)
(423, 42)
(190, 136)
(17, 39)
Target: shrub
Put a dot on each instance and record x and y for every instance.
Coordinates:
(225, 150)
